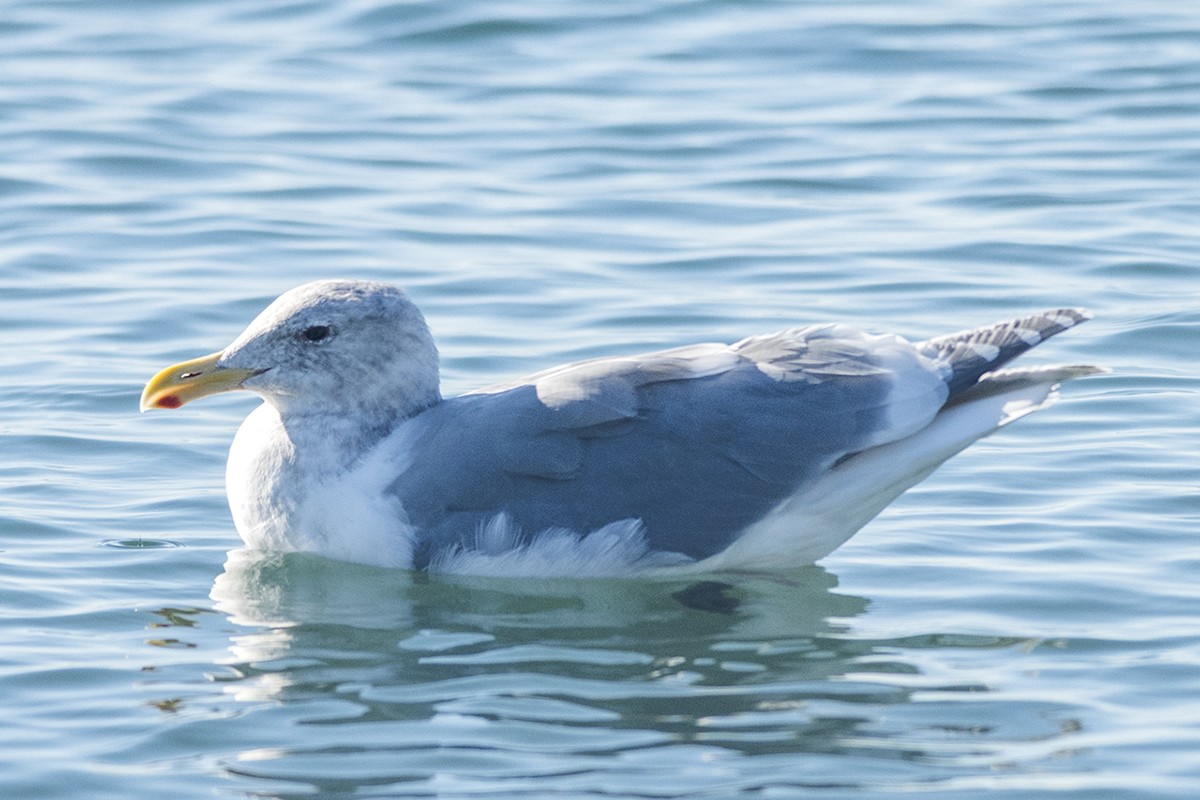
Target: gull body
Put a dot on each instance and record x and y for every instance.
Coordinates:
(765, 453)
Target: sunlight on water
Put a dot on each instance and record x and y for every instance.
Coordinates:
(560, 182)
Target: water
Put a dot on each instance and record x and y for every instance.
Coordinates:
(556, 181)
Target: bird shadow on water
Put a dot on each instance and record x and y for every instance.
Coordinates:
(289, 590)
(402, 678)
(418, 626)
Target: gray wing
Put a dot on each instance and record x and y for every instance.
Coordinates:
(697, 442)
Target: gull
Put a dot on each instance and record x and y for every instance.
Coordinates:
(762, 454)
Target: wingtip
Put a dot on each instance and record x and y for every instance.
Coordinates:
(1044, 373)
(1067, 317)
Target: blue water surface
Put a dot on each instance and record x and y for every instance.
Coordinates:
(553, 181)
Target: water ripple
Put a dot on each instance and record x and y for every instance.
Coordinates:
(555, 183)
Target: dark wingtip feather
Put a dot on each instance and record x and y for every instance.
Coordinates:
(973, 353)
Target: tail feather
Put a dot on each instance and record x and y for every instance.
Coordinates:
(969, 355)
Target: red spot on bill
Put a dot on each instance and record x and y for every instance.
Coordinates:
(168, 401)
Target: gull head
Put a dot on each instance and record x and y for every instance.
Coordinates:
(330, 347)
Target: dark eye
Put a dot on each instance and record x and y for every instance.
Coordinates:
(315, 333)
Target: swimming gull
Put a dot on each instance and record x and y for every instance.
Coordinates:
(766, 453)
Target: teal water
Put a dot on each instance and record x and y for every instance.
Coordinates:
(556, 181)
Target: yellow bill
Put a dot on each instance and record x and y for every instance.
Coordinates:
(184, 382)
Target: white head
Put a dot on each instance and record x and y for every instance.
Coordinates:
(347, 348)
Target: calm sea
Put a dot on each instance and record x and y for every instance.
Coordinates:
(553, 181)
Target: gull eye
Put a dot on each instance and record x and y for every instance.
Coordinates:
(315, 333)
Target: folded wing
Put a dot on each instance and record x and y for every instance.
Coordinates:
(697, 443)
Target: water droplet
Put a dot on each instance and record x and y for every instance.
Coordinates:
(139, 544)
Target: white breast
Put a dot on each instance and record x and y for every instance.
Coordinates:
(283, 502)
